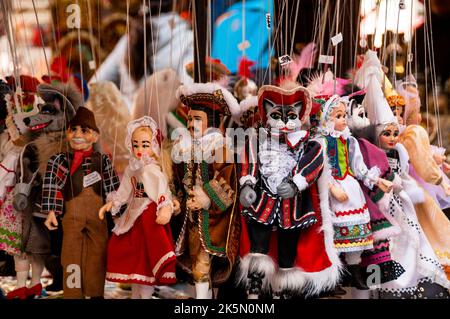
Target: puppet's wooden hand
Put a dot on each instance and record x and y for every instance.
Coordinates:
(286, 190)
(51, 222)
(247, 196)
(107, 207)
(163, 215)
(385, 185)
(338, 193)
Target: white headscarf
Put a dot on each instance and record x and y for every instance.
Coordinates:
(145, 121)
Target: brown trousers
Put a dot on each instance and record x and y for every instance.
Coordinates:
(85, 238)
(201, 260)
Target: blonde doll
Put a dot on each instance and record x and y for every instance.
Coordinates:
(141, 250)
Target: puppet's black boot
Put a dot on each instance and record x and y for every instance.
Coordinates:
(357, 277)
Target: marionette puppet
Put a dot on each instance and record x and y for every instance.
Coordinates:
(382, 226)
(75, 185)
(205, 178)
(428, 168)
(286, 243)
(22, 232)
(141, 250)
(48, 127)
(352, 222)
(423, 276)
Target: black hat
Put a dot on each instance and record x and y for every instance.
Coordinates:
(84, 117)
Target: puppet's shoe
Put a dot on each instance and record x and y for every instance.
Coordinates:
(19, 293)
(357, 278)
(256, 273)
(255, 282)
(202, 290)
(34, 291)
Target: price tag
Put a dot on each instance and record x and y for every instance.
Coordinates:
(410, 57)
(243, 45)
(326, 59)
(268, 21)
(337, 39)
(91, 179)
(284, 60)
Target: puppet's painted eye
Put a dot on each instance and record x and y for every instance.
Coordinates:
(275, 116)
(292, 116)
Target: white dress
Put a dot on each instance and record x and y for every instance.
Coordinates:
(352, 228)
(411, 247)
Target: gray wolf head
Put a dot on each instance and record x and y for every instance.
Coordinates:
(61, 100)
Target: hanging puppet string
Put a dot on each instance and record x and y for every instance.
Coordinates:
(91, 38)
(394, 73)
(271, 47)
(429, 34)
(426, 66)
(154, 43)
(42, 37)
(336, 46)
(294, 27)
(27, 45)
(81, 60)
(316, 29)
(385, 40)
(408, 60)
(7, 9)
(144, 8)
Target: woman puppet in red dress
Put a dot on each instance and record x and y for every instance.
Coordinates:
(141, 250)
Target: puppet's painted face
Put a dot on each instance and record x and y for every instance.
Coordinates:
(339, 117)
(283, 118)
(81, 138)
(389, 137)
(141, 142)
(197, 123)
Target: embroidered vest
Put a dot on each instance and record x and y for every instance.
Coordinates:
(337, 151)
(74, 183)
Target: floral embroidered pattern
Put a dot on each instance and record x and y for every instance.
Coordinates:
(10, 226)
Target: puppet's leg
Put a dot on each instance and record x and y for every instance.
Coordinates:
(357, 277)
(37, 268)
(256, 269)
(147, 291)
(135, 291)
(201, 264)
(94, 256)
(289, 280)
(71, 255)
(22, 265)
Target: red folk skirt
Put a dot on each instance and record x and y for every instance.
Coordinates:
(143, 255)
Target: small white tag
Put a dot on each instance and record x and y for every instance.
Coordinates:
(410, 57)
(268, 22)
(402, 4)
(326, 59)
(337, 39)
(284, 60)
(91, 179)
(92, 65)
(243, 45)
